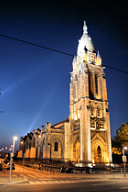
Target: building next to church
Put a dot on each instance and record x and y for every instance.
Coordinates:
(85, 136)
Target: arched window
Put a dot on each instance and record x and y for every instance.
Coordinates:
(98, 124)
(43, 141)
(74, 90)
(96, 84)
(55, 146)
(36, 152)
(30, 145)
(98, 111)
(91, 110)
(26, 144)
(34, 142)
(90, 85)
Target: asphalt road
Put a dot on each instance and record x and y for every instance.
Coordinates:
(108, 186)
(45, 182)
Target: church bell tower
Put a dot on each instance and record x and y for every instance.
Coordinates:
(90, 136)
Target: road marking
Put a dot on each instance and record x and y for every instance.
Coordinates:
(31, 182)
(96, 184)
(37, 181)
(124, 188)
(68, 181)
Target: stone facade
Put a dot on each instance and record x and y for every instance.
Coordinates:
(85, 136)
(44, 143)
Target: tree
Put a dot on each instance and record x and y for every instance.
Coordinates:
(121, 139)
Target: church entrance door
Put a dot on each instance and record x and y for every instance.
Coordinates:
(77, 152)
(98, 155)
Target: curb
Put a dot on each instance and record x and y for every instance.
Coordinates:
(17, 182)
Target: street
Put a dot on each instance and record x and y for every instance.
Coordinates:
(57, 182)
(111, 186)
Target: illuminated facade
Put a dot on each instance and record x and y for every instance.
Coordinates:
(89, 114)
(85, 136)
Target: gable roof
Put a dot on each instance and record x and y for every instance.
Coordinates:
(60, 124)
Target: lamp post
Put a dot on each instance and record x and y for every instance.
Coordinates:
(41, 147)
(11, 155)
(23, 154)
(124, 160)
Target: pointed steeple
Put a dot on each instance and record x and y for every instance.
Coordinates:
(85, 43)
(85, 28)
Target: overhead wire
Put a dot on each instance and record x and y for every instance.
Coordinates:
(54, 50)
(34, 44)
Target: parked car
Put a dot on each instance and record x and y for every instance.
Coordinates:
(8, 166)
(62, 170)
(69, 170)
(1, 168)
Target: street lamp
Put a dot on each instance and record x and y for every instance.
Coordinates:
(41, 147)
(124, 160)
(11, 155)
(23, 154)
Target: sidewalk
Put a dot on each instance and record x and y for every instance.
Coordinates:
(4, 179)
(15, 180)
(108, 176)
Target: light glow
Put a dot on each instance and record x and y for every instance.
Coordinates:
(92, 128)
(15, 138)
(89, 165)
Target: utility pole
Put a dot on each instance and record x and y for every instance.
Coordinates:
(124, 160)
(12, 155)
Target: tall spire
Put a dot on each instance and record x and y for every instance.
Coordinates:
(85, 43)
(85, 28)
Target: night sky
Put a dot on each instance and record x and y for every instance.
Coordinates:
(34, 82)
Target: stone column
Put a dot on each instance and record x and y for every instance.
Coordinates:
(104, 88)
(93, 84)
(81, 133)
(82, 119)
(48, 137)
(109, 137)
(87, 132)
(67, 137)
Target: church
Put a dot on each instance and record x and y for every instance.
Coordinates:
(85, 136)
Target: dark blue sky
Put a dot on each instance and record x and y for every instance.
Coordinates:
(35, 82)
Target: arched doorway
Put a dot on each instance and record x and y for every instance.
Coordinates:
(77, 152)
(98, 155)
(99, 150)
